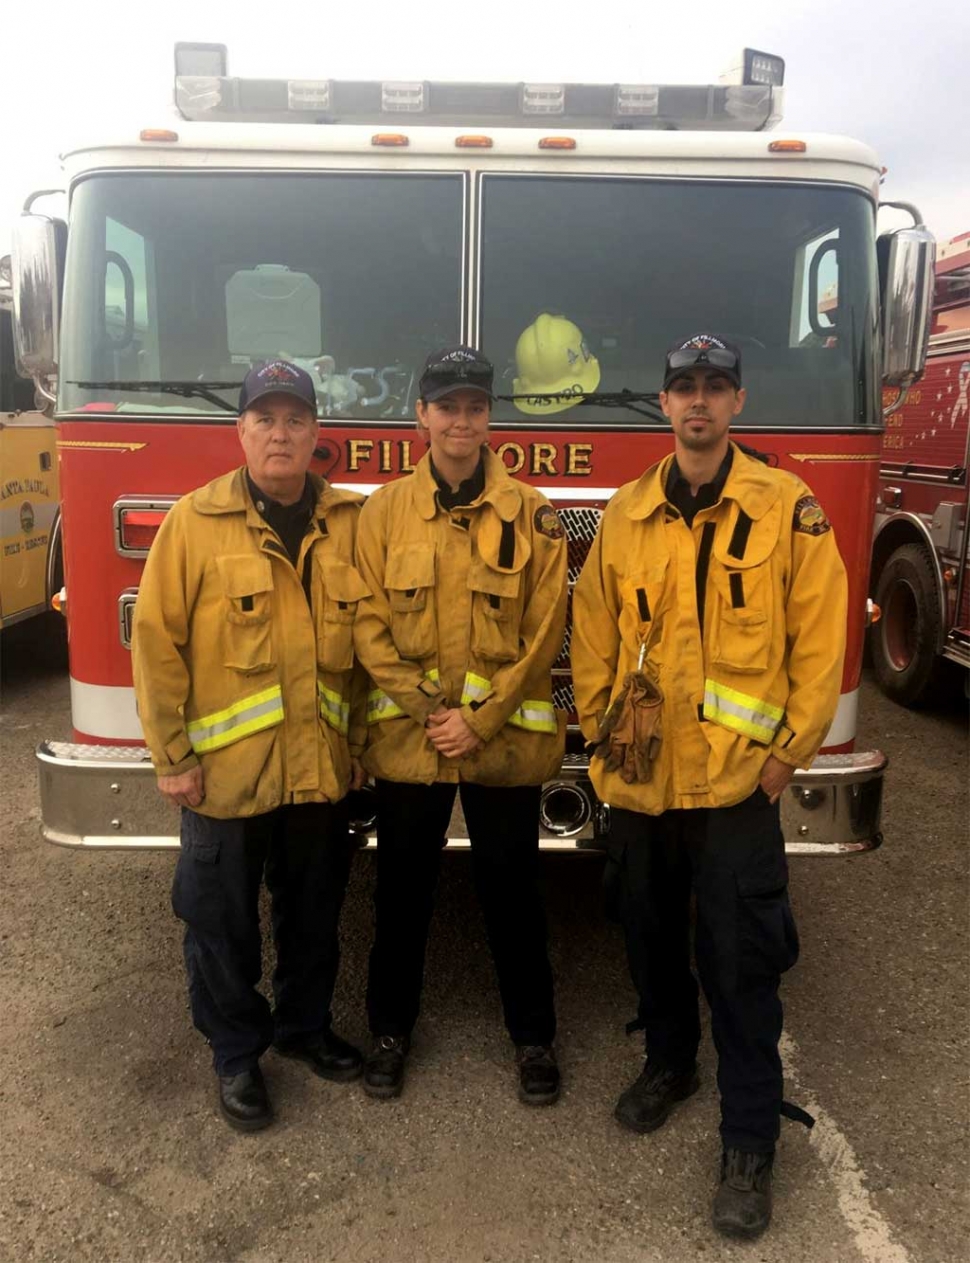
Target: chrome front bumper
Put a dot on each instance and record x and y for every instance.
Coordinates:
(105, 797)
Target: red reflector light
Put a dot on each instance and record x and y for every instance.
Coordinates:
(158, 134)
(139, 528)
(787, 146)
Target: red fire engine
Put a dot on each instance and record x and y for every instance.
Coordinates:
(354, 227)
(920, 574)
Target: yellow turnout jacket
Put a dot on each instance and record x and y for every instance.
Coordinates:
(233, 669)
(763, 674)
(465, 607)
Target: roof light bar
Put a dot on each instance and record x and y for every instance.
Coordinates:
(744, 105)
(763, 68)
(308, 94)
(543, 98)
(403, 98)
(198, 94)
(210, 60)
(636, 100)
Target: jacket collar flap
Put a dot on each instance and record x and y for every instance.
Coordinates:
(500, 490)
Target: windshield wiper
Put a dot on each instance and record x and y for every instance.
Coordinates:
(188, 390)
(606, 399)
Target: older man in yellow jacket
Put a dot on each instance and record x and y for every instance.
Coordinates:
(466, 569)
(714, 584)
(243, 665)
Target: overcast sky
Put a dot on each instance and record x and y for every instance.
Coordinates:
(891, 72)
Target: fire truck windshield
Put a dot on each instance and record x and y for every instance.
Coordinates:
(184, 279)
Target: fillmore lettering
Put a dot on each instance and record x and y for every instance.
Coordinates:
(539, 459)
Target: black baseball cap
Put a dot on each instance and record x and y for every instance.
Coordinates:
(455, 368)
(703, 350)
(278, 377)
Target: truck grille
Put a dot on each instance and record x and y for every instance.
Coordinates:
(580, 522)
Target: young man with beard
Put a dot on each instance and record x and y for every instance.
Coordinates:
(713, 597)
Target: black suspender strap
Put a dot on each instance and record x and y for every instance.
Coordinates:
(703, 564)
(737, 589)
(308, 577)
(739, 536)
(506, 549)
(643, 605)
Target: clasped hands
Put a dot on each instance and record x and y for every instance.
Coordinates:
(450, 734)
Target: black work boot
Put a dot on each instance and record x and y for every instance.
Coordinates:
(538, 1074)
(647, 1102)
(243, 1100)
(327, 1055)
(742, 1205)
(384, 1066)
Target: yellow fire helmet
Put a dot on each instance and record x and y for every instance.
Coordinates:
(551, 356)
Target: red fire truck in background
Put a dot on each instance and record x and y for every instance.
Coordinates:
(354, 227)
(920, 576)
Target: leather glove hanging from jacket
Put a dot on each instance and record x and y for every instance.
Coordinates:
(629, 734)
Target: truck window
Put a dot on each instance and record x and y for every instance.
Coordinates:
(16, 393)
(355, 276)
(631, 264)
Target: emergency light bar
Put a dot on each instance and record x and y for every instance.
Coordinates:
(749, 106)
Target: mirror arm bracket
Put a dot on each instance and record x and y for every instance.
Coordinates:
(909, 208)
(897, 403)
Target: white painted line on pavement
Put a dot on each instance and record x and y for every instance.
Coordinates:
(873, 1237)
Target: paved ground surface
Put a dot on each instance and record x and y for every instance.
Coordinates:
(110, 1148)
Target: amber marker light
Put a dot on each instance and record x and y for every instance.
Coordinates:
(557, 142)
(473, 142)
(390, 140)
(159, 135)
(787, 146)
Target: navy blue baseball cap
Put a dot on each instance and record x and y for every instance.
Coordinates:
(455, 368)
(703, 350)
(278, 377)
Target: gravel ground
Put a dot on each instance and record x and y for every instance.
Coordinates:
(110, 1148)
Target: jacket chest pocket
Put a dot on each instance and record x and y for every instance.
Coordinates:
(247, 629)
(641, 614)
(337, 590)
(741, 634)
(409, 581)
(496, 612)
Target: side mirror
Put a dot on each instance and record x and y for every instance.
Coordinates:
(36, 297)
(906, 275)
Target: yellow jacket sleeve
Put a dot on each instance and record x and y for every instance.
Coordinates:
(815, 617)
(403, 681)
(540, 637)
(357, 732)
(160, 632)
(594, 646)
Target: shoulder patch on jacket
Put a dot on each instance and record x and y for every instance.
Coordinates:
(547, 522)
(810, 517)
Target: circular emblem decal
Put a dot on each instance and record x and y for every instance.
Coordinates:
(547, 523)
(26, 517)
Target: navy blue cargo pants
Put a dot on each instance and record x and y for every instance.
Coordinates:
(733, 858)
(304, 852)
(503, 829)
